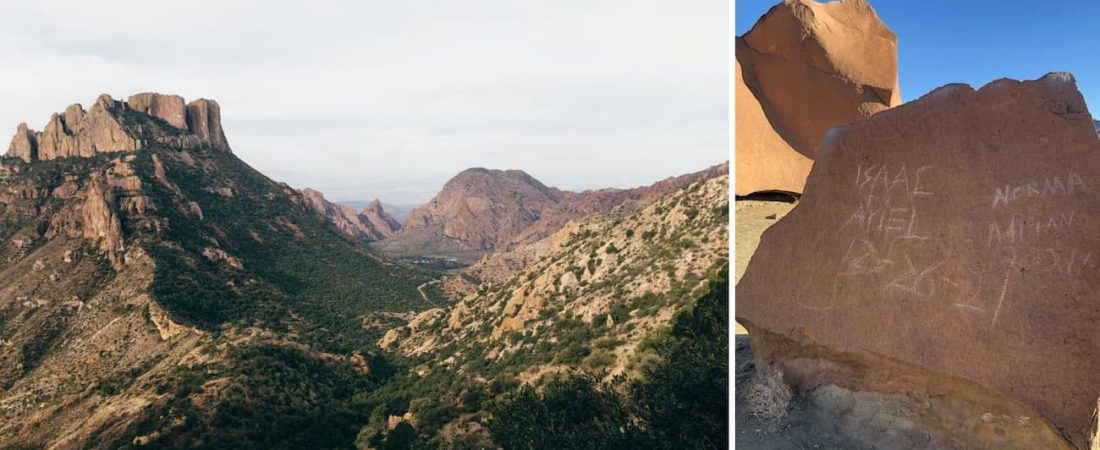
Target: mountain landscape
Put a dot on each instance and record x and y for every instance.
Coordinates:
(480, 211)
(129, 264)
(596, 295)
(159, 292)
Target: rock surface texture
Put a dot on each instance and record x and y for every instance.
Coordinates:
(806, 67)
(112, 126)
(204, 119)
(169, 108)
(947, 247)
(481, 210)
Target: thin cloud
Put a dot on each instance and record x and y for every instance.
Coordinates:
(581, 94)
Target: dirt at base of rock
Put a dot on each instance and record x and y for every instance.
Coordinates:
(805, 427)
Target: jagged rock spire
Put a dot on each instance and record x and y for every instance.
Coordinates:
(103, 129)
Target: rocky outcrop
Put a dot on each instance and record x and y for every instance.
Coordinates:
(24, 144)
(806, 67)
(370, 225)
(169, 108)
(101, 223)
(381, 220)
(951, 238)
(80, 133)
(481, 210)
(204, 119)
(111, 126)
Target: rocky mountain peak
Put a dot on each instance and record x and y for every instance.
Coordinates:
(375, 214)
(372, 224)
(112, 125)
(483, 210)
(24, 144)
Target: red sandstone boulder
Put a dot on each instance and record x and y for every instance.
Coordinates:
(765, 162)
(806, 67)
(947, 248)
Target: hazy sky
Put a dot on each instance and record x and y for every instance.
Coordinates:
(975, 42)
(390, 98)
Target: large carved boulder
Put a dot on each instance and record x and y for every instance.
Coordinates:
(947, 249)
(808, 67)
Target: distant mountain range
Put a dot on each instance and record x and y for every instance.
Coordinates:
(398, 211)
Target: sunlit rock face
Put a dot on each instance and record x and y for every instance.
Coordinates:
(806, 67)
(953, 237)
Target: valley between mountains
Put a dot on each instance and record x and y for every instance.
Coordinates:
(158, 292)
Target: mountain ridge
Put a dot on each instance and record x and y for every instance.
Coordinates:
(593, 297)
(146, 273)
(480, 211)
(372, 223)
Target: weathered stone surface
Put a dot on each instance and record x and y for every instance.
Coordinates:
(810, 66)
(765, 162)
(955, 234)
(101, 221)
(24, 144)
(102, 129)
(79, 133)
(169, 108)
(204, 119)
